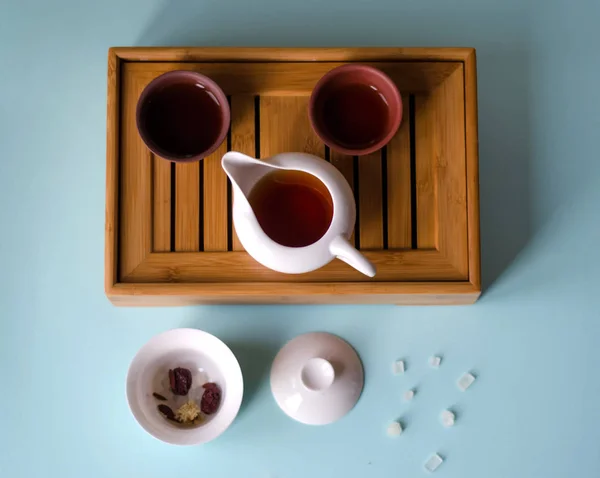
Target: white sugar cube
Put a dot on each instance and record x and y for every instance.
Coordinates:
(435, 361)
(408, 395)
(394, 429)
(465, 381)
(448, 418)
(398, 367)
(433, 463)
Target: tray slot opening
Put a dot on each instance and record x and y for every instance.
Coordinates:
(384, 196)
(257, 127)
(413, 174)
(172, 218)
(356, 183)
(201, 206)
(229, 202)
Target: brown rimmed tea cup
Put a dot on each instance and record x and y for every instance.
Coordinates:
(355, 109)
(183, 116)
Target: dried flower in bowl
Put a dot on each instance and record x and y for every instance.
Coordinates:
(189, 413)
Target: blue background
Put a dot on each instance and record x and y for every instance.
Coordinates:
(533, 337)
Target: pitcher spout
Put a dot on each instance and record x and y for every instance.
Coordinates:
(343, 250)
(243, 171)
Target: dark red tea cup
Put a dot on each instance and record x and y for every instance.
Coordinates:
(183, 116)
(355, 109)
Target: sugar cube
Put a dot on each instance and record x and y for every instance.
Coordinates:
(408, 395)
(435, 361)
(448, 418)
(433, 463)
(465, 381)
(398, 367)
(394, 429)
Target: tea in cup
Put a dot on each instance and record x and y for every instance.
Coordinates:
(183, 116)
(355, 109)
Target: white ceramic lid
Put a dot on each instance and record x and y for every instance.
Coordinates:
(316, 378)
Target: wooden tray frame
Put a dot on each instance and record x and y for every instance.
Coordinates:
(446, 270)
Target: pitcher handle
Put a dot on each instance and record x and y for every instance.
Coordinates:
(343, 250)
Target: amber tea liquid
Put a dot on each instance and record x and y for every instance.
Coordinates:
(356, 115)
(183, 118)
(294, 208)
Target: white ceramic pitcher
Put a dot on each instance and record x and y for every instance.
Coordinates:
(245, 171)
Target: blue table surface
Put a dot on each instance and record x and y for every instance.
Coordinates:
(532, 338)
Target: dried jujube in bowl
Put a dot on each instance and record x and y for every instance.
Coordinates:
(180, 380)
(211, 398)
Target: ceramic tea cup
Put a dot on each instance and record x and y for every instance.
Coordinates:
(355, 109)
(183, 116)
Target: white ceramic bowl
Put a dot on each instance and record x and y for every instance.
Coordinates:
(209, 359)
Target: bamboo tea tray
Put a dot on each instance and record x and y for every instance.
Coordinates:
(169, 238)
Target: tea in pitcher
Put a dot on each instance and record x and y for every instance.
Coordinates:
(293, 208)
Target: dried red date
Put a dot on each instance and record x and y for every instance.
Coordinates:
(211, 398)
(167, 412)
(180, 380)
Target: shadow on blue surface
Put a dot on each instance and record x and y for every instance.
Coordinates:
(255, 360)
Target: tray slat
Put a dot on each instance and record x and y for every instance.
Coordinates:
(187, 207)
(398, 164)
(161, 227)
(243, 138)
(215, 202)
(408, 265)
(135, 184)
(345, 165)
(425, 174)
(370, 205)
(448, 141)
(292, 79)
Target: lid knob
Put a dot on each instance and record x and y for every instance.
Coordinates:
(317, 374)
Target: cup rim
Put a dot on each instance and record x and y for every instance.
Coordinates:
(327, 139)
(213, 87)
